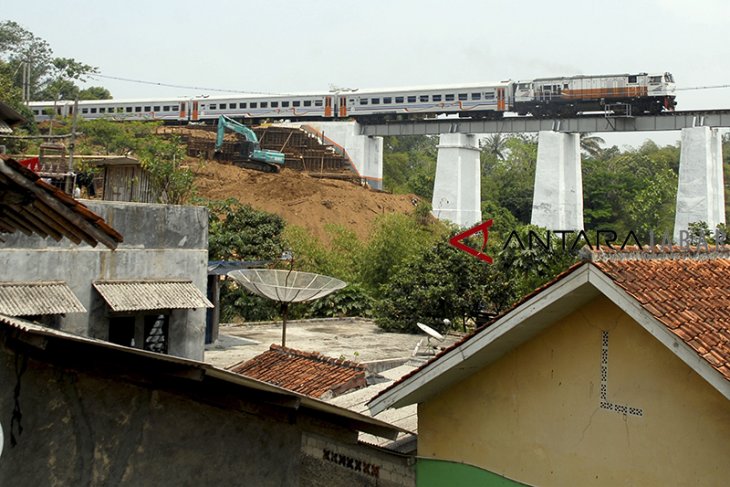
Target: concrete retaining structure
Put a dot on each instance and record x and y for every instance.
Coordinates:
(457, 188)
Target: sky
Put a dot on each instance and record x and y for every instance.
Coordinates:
(279, 46)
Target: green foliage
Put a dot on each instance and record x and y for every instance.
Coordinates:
(409, 164)
(110, 137)
(339, 258)
(350, 301)
(169, 179)
(239, 232)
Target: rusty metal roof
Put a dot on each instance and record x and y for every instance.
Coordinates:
(30, 205)
(38, 298)
(151, 294)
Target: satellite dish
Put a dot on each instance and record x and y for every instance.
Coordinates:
(286, 287)
(430, 331)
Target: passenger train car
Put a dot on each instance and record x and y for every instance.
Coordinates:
(553, 97)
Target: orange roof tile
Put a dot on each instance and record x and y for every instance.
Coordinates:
(307, 373)
(689, 295)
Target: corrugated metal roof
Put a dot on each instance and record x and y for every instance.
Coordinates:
(151, 294)
(38, 298)
(5, 128)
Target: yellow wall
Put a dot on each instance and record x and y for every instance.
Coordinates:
(534, 415)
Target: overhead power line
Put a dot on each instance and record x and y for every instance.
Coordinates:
(703, 87)
(169, 85)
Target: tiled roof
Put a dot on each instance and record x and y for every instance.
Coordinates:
(30, 205)
(38, 298)
(691, 297)
(151, 294)
(307, 373)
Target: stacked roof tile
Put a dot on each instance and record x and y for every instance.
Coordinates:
(307, 373)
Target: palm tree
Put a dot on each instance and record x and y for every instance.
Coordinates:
(495, 144)
(591, 144)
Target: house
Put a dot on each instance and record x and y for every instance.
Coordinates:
(615, 373)
(309, 373)
(83, 411)
(149, 292)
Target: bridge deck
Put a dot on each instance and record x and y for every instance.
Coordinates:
(581, 124)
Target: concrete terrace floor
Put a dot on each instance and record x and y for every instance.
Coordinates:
(355, 339)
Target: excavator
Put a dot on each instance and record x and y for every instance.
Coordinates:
(251, 156)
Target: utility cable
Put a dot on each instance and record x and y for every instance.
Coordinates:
(168, 85)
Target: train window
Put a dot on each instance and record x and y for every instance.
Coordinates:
(449, 97)
(524, 86)
(436, 97)
(166, 108)
(633, 79)
(399, 99)
(84, 110)
(387, 100)
(462, 96)
(138, 109)
(489, 95)
(148, 108)
(317, 103)
(36, 112)
(668, 78)
(120, 109)
(101, 110)
(93, 110)
(363, 101)
(242, 105)
(223, 106)
(285, 104)
(264, 104)
(476, 96)
(274, 104)
(411, 99)
(375, 101)
(156, 108)
(655, 80)
(174, 108)
(296, 103)
(423, 98)
(254, 104)
(307, 103)
(213, 106)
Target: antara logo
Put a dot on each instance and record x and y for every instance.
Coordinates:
(458, 241)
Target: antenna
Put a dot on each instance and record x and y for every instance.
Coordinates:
(431, 334)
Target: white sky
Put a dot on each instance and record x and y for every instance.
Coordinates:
(284, 47)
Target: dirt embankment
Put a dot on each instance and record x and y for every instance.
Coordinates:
(299, 198)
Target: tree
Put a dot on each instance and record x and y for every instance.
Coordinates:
(591, 144)
(171, 181)
(48, 77)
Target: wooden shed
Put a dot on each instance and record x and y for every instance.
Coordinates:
(123, 179)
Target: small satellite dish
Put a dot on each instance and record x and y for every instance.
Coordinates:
(430, 331)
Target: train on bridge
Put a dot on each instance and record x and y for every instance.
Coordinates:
(632, 94)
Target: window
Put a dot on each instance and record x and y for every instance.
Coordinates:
(156, 108)
(121, 330)
(449, 97)
(213, 106)
(138, 109)
(296, 103)
(285, 104)
(36, 112)
(436, 97)
(317, 103)
(387, 100)
(363, 101)
(274, 104)
(411, 99)
(223, 106)
(93, 110)
(476, 96)
(399, 99)
(375, 101)
(84, 110)
(148, 108)
(103, 110)
(241, 105)
(462, 96)
(655, 80)
(120, 109)
(156, 333)
(307, 103)
(254, 104)
(489, 95)
(174, 108)
(633, 79)
(423, 98)
(166, 108)
(129, 109)
(264, 104)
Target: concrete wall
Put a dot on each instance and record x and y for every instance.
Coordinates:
(535, 415)
(160, 241)
(457, 188)
(90, 429)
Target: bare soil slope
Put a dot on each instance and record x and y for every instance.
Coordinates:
(300, 199)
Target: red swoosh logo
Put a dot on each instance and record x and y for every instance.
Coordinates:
(458, 241)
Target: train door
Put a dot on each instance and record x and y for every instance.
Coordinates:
(194, 113)
(183, 110)
(501, 105)
(327, 106)
(343, 107)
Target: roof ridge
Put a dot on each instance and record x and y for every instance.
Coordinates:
(316, 356)
(656, 252)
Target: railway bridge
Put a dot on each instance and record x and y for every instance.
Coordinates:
(558, 192)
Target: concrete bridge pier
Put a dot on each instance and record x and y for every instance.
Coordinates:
(557, 202)
(701, 190)
(457, 188)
